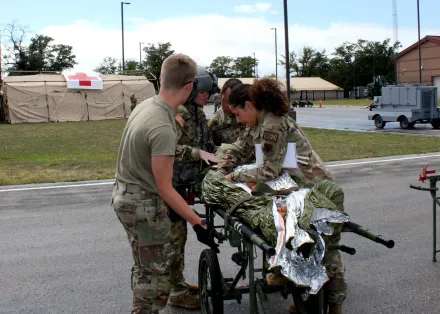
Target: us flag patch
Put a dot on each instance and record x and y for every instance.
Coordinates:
(179, 120)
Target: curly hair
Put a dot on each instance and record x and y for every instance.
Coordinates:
(264, 93)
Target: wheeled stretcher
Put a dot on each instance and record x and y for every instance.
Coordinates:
(215, 288)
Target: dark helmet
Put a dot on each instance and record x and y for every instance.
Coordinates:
(205, 81)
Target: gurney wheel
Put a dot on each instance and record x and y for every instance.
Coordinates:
(210, 283)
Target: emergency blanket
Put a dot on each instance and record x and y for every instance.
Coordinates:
(299, 234)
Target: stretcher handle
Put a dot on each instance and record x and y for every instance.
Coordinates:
(421, 188)
(343, 248)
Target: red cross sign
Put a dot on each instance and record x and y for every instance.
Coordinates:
(82, 80)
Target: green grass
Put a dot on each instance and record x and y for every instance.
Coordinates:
(344, 102)
(348, 102)
(73, 151)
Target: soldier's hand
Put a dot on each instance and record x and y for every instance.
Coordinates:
(208, 157)
(204, 236)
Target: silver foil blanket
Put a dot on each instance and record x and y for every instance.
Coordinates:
(304, 271)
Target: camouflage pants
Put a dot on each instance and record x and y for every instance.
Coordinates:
(336, 288)
(179, 235)
(148, 228)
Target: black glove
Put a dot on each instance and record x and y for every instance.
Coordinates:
(204, 236)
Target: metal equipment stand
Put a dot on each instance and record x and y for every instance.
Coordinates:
(433, 179)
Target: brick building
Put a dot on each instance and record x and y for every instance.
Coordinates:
(407, 62)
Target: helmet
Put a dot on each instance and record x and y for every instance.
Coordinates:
(205, 81)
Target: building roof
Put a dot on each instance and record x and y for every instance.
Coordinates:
(298, 83)
(431, 38)
(60, 78)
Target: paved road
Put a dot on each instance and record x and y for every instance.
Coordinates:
(63, 251)
(347, 118)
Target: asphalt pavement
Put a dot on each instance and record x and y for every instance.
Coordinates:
(347, 118)
(64, 251)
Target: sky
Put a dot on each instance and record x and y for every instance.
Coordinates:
(205, 29)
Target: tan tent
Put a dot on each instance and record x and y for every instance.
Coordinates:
(45, 98)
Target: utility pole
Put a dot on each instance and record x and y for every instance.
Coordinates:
(286, 40)
(122, 25)
(276, 53)
(255, 66)
(420, 51)
(140, 55)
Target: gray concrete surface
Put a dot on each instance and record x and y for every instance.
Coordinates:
(62, 250)
(347, 118)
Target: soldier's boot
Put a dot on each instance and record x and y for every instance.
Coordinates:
(292, 309)
(185, 299)
(335, 309)
(192, 288)
(276, 279)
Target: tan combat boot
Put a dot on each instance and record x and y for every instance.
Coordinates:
(292, 309)
(335, 309)
(276, 280)
(192, 288)
(185, 299)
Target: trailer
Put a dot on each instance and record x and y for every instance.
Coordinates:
(406, 104)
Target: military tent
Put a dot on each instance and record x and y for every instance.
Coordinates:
(47, 98)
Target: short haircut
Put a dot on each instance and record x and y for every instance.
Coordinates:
(231, 83)
(177, 70)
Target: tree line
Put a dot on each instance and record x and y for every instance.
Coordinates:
(349, 65)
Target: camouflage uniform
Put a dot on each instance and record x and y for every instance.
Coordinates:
(193, 135)
(150, 131)
(274, 133)
(217, 102)
(225, 129)
(153, 251)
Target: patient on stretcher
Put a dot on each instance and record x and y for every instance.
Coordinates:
(286, 216)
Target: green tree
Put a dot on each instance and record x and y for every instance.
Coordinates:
(40, 55)
(355, 64)
(244, 66)
(108, 66)
(222, 66)
(293, 63)
(154, 57)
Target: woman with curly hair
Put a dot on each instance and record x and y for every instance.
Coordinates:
(264, 109)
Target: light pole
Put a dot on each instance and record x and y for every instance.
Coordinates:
(286, 40)
(140, 55)
(255, 66)
(420, 52)
(276, 53)
(122, 25)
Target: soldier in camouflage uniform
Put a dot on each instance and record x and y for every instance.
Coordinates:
(263, 108)
(143, 187)
(217, 102)
(224, 126)
(193, 145)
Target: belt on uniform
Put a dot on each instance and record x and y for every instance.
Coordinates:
(132, 189)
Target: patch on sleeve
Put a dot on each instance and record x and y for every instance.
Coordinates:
(270, 136)
(179, 120)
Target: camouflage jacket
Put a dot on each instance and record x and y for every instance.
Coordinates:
(225, 129)
(193, 135)
(274, 133)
